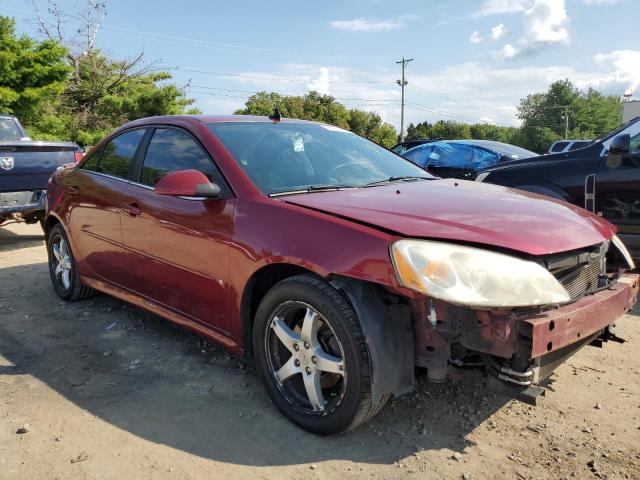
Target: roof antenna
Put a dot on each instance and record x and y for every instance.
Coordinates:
(276, 116)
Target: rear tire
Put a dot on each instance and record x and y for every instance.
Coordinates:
(311, 353)
(62, 267)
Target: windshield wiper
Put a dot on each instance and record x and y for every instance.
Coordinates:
(329, 186)
(404, 178)
(315, 188)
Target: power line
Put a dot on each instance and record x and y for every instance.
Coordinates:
(262, 77)
(460, 102)
(345, 99)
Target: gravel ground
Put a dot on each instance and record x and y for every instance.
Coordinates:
(100, 389)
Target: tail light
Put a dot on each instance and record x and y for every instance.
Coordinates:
(77, 156)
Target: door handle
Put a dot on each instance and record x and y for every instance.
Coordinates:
(71, 190)
(132, 209)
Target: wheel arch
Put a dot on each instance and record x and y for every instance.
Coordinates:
(50, 221)
(384, 316)
(260, 282)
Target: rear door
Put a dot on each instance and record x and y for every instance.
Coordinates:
(179, 247)
(96, 195)
(617, 192)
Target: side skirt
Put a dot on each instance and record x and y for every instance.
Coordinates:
(164, 312)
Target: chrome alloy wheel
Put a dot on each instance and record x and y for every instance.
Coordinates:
(62, 261)
(306, 358)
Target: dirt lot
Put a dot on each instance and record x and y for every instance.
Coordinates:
(107, 391)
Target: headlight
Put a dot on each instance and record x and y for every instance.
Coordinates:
(482, 176)
(472, 276)
(623, 251)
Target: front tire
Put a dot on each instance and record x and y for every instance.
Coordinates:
(312, 356)
(62, 267)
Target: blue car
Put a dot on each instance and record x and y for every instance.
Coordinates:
(463, 158)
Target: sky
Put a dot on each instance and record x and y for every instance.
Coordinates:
(473, 60)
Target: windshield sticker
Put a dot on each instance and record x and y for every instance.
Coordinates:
(298, 144)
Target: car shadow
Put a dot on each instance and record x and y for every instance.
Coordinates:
(10, 240)
(146, 376)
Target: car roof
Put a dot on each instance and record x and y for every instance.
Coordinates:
(172, 119)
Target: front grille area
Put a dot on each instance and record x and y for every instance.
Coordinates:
(583, 280)
(578, 272)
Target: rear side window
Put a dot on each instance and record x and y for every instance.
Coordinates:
(91, 162)
(172, 150)
(559, 146)
(117, 155)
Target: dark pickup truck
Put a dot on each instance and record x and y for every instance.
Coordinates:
(25, 168)
(603, 177)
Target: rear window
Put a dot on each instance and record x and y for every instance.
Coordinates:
(9, 131)
(559, 146)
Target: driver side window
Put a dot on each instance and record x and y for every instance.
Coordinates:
(171, 150)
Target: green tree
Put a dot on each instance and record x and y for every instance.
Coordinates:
(563, 108)
(322, 108)
(32, 73)
(445, 129)
(107, 93)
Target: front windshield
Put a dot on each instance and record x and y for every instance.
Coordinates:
(284, 157)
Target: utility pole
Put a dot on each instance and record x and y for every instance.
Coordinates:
(403, 83)
(566, 122)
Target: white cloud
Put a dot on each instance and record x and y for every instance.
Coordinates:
(497, 7)
(471, 92)
(544, 24)
(475, 37)
(546, 21)
(371, 24)
(507, 51)
(498, 32)
(321, 84)
(624, 70)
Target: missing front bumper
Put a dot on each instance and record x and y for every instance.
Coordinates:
(521, 348)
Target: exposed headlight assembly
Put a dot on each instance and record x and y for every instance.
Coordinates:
(624, 252)
(474, 277)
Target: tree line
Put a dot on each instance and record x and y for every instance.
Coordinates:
(66, 89)
(563, 111)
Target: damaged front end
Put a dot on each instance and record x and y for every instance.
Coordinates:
(521, 346)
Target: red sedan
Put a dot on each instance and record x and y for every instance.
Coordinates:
(338, 265)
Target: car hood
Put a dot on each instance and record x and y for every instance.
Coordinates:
(464, 211)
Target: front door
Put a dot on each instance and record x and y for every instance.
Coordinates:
(179, 247)
(617, 190)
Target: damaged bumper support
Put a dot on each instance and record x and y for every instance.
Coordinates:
(519, 347)
(22, 206)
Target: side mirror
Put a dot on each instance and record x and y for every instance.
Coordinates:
(187, 183)
(620, 144)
